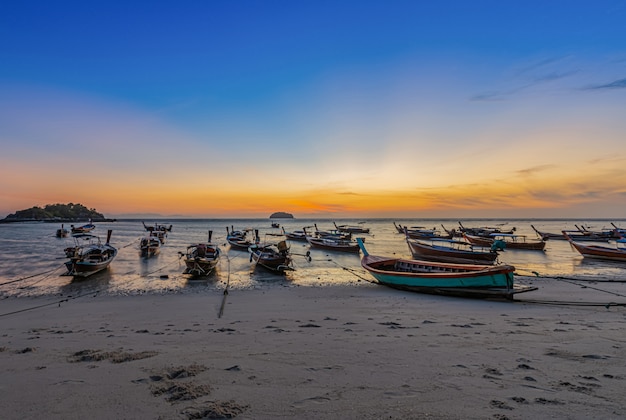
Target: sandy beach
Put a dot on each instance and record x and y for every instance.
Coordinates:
(350, 352)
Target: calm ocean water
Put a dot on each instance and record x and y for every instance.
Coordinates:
(31, 257)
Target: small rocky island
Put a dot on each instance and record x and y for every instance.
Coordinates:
(281, 215)
(56, 213)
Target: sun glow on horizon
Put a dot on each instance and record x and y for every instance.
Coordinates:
(375, 116)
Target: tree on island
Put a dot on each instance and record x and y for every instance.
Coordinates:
(281, 215)
(69, 212)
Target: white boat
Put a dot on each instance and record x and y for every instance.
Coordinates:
(89, 256)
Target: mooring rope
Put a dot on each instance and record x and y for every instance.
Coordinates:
(130, 243)
(575, 282)
(31, 276)
(225, 295)
(41, 279)
(58, 302)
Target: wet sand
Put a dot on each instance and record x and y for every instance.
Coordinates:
(350, 352)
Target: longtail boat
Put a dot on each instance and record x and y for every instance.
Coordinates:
(333, 243)
(451, 251)
(295, 235)
(351, 229)
(600, 252)
(77, 230)
(62, 232)
(273, 257)
(149, 246)
(90, 257)
(420, 232)
(485, 231)
(484, 281)
(202, 258)
(577, 235)
(157, 227)
(238, 239)
(509, 240)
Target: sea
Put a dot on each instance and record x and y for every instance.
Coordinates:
(32, 257)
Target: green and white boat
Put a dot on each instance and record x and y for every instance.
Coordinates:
(468, 280)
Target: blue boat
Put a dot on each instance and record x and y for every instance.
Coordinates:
(481, 281)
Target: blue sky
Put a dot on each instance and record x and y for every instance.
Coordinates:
(400, 108)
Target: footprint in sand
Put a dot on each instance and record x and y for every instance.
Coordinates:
(312, 400)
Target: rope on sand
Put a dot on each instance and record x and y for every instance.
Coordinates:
(565, 303)
(221, 312)
(354, 272)
(537, 275)
(130, 243)
(51, 303)
(31, 276)
(576, 281)
(159, 269)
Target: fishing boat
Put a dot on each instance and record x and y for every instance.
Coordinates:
(618, 232)
(451, 251)
(351, 229)
(90, 256)
(485, 231)
(149, 246)
(273, 257)
(238, 239)
(577, 235)
(547, 235)
(421, 232)
(604, 233)
(295, 235)
(161, 235)
(332, 233)
(76, 230)
(62, 232)
(452, 233)
(202, 258)
(331, 243)
(157, 227)
(466, 280)
(600, 252)
(510, 240)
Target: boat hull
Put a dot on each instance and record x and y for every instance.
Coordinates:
(484, 281)
(84, 266)
(461, 280)
(488, 242)
(201, 259)
(239, 244)
(450, 255)
(600, 252)
(198, 267)
(332, 245)
(269, 259)
(149, 248)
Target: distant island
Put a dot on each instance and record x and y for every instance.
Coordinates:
(56, 213)
(281, 215)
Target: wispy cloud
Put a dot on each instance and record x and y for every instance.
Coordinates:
(541, 72)
(617, 84)
(554, 76)
(535, 169)
(494, 96)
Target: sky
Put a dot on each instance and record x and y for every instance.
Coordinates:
(319, 108)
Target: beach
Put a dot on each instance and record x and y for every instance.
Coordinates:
(361, 351)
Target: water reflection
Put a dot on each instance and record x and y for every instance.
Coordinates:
(130, 273)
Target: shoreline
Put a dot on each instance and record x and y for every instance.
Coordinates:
(351, 352)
